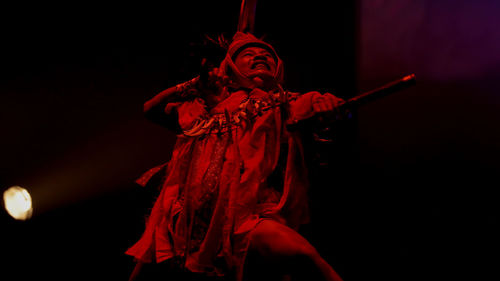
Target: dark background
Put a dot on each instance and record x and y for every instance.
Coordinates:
(409, 190)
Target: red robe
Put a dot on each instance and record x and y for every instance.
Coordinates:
(216, 188)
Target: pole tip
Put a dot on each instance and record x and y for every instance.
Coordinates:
(410, 77)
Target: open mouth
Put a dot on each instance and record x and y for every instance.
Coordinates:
(261, 64)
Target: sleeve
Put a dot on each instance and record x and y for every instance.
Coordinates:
(163, 108)
(178, 116)
(301, 108)
(190, 113)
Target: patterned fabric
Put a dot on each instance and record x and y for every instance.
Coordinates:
(216, 190)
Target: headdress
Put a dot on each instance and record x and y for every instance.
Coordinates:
(243, 39)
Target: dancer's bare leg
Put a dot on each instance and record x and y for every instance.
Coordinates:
(284, 251)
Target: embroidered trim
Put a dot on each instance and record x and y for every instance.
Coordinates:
(249, 109)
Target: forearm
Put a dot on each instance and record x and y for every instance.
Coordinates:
(301, 108)
(311, 104)
(173, 94)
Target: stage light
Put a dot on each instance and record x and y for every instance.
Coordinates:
(17, 202)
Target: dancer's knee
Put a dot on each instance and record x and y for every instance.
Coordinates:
(275, 240)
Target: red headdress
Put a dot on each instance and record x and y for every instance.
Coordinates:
(243, 39)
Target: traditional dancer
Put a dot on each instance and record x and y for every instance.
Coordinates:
(235, 190)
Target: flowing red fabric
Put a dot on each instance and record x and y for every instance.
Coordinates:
(216, 190)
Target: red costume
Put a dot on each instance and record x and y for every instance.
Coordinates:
(234, 165)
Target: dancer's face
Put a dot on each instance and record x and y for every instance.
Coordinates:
(256, 62)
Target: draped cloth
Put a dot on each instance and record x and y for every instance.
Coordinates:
(216, 187)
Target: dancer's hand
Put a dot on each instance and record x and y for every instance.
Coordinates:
(212, 80)
(326, 103)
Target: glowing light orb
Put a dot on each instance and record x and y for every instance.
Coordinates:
(17, 202)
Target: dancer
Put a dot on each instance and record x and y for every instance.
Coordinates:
(235, 190)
